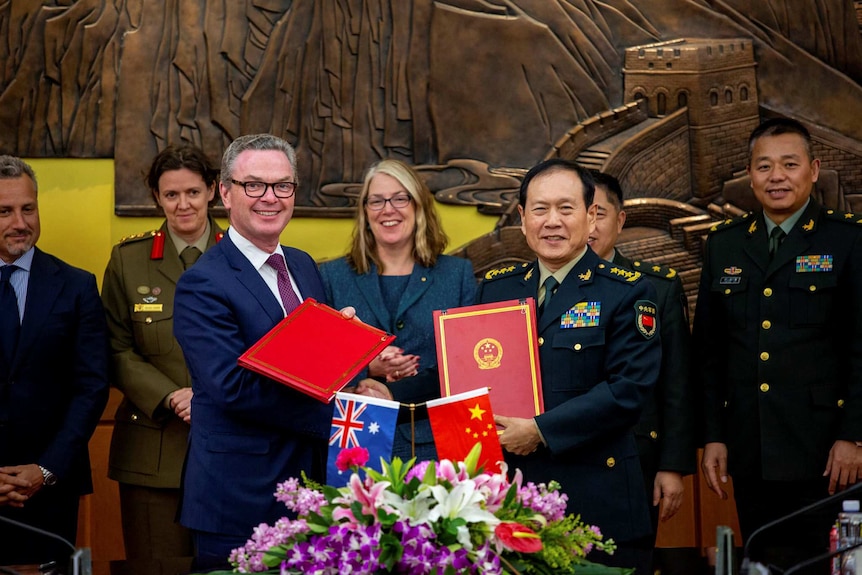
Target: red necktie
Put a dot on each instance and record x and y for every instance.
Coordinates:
(288, 297)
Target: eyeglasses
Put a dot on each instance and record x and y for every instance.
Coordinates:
(258, 189)
(397, 202)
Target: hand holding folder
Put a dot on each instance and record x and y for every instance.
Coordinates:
(315, 350)
(495, 346)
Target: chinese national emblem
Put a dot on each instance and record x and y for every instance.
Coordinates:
(488, 353)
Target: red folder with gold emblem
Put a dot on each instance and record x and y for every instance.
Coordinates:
(492, 345)
(315, 350)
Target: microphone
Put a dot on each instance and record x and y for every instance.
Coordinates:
(841, 495)
(81, 560)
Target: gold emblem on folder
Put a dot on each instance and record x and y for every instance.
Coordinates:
(488, 353)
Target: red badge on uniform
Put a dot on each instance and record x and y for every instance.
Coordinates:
(645, 318)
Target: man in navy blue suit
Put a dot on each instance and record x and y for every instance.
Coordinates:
(53, 379)
(248, 432)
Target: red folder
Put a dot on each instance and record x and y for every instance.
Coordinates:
(492, 345)
(315, 350)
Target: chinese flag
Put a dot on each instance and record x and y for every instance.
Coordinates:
(459, 422)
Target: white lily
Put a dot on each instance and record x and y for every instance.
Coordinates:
(464, 501)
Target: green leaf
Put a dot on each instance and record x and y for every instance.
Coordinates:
(472, 459)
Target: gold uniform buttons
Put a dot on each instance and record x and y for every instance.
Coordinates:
(767, 292)
(727, 291)
(812, 288)
(764, 387)
(611, 462)
(148, 320)
(840, 403)
(541, 340)
(653, 434)
(766, 324)
(134, 417)
(577, 347)
(764, 356)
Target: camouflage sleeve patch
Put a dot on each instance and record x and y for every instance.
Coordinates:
(506, 271)
(655, 270)
(619, 273)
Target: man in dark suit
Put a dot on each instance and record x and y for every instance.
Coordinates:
(53, 379)
(248, 432)
(778, 349)
(599, 350)
(666, 431)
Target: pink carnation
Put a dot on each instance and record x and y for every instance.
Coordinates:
(351, 457)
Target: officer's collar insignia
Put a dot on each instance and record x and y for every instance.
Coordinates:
(584, 277)
(733, 271)
(753, 227)
(582, 314)
(809, 226)
(814, 263)
(529, 274)
(646, 319)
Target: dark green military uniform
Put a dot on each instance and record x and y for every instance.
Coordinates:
(149, 441)
(666, 431)
(778, 353)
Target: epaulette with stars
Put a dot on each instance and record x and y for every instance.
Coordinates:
(506, 271)
(138, 237)
(655, 270)
(730, 222)
(846, 217)
(158, 236)
(619, 273)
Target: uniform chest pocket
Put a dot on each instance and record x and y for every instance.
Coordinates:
(577, 359)
(730, 294)
(812, 298)
(154, 332)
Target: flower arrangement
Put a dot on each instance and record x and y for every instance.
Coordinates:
(433, 517)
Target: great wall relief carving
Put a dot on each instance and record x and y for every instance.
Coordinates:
(473, 91)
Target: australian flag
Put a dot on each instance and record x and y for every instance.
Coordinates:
(359, 421)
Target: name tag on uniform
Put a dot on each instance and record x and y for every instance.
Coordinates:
(727, 280)
(583, 314)
(813, 263)
(148, 307)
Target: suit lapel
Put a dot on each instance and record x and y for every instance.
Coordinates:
(43, 289)
(420, 281)
(757, 244)
(369, 287)
(301, 275)
(250, 278)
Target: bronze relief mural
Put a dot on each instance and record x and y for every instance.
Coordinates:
(472, 91)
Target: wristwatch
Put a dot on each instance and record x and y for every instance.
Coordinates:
(48, 477)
